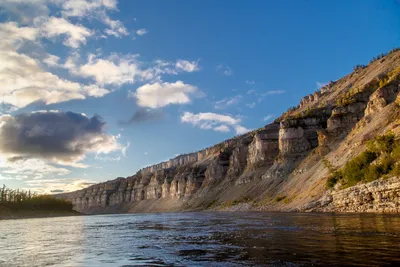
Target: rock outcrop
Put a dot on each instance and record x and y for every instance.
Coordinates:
(282, 160)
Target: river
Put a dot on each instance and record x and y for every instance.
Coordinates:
(202, 239)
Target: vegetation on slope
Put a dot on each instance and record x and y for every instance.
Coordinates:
(381, 159)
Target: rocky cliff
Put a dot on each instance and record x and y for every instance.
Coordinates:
(277, 167)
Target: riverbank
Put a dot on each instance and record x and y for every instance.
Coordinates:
(6, 214)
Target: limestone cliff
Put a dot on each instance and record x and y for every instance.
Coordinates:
(279, 166)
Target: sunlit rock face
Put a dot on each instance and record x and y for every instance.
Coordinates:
(297, 136)
(282, 159)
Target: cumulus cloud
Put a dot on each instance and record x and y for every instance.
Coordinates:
(142, 32)
(12, 36)
(59, 137)
(214, 121)
(157, 95)
(227, 102)
(24, 82)
(115, 70)
(51, 60)
(75, 34)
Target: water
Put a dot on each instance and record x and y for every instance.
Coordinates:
(202, 239)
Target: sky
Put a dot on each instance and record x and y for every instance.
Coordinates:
(94, 90)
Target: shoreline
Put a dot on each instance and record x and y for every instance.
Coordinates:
(35, 214)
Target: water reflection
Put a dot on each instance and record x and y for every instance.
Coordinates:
(198, 239)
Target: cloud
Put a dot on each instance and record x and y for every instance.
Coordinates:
(26, 11)
(273, 92)
(12, 37)
(86, 8)
(227, 102)
(30, 169)
(224, 70)
(51, 60)
(159, 95)
(56, 186)
(269, 117)
(252, 91)
(58, 137)
(251, 82)
(214, 121)
(116, 29)
(24, 82)
(222, 128)
(251, 105)
(268, 93)
(75, 34)
(115, 70)
(144, 115)
(186, 66)
(241, 130)
(142, 32)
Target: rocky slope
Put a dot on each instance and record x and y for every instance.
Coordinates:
(279, 166)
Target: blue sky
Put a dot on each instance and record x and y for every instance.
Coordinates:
(166, 77)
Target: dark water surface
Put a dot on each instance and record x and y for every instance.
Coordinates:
(202, 239)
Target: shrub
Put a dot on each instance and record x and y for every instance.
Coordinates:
(382, 144)
(354, 170)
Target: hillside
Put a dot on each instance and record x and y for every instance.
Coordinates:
(281, 166)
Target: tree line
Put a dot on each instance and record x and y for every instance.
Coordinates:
(16, 200)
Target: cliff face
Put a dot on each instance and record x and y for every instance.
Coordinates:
(282, 160)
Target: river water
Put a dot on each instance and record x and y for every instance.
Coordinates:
(202, 239)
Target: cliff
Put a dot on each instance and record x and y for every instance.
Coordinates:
(277, 167)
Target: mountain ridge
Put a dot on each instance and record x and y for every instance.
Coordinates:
(276, 167)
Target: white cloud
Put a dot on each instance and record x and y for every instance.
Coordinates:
(158, 95)
(75, 34)
(252, 91)
(222, 128)
(273, 92)
(116, 29)
(199, 118)
(187, 66)
(241, 130)
(269, 117)
(116, 70)
(24, 82)
(85, 8)
(12, 36)
(224, 70)
(51, 60)
(142, 32)
(214, 121)
(227, 102)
